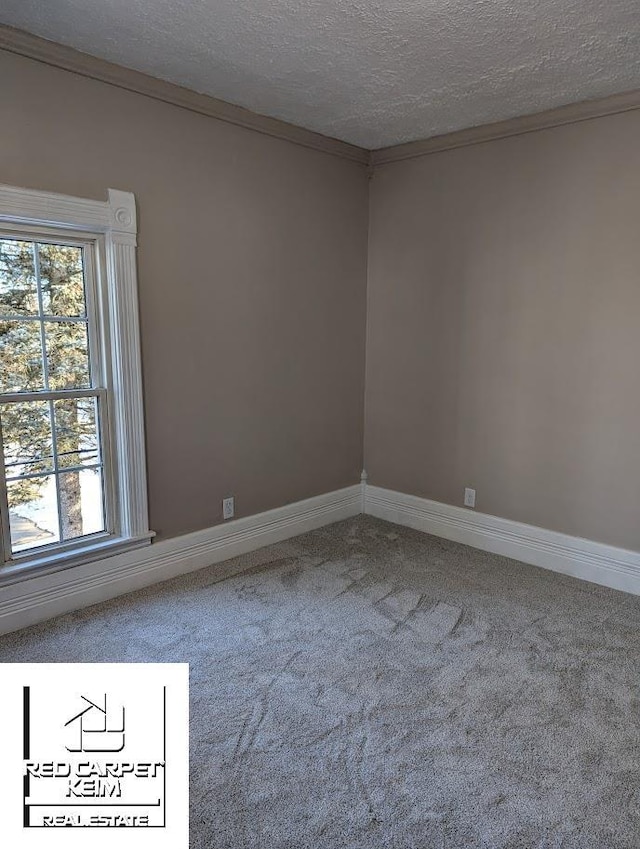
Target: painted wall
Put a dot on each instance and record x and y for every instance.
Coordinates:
(503, 308)
(252, 278)
(504, 328)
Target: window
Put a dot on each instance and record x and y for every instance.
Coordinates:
(72, 478)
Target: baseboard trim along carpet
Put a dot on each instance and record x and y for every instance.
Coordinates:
(39, 598)
(36, 599)
(582, 558)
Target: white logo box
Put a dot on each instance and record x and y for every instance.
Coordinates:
(94, 752)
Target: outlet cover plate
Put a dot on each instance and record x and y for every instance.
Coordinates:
(228, 508)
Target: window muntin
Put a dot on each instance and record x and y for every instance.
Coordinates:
(53, 396)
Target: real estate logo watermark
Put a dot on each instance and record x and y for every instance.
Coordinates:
(103, 746)
(90, 786)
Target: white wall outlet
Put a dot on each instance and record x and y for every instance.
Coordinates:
(228, 508)
(469, 497)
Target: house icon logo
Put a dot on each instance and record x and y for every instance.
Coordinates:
(97, 727)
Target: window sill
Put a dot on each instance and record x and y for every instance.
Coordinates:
(46, 564)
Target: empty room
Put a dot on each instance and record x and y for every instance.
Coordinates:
(320, 424)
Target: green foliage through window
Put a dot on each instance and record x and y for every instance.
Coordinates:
(44, 347)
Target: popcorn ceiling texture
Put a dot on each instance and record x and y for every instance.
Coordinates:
(370, 72)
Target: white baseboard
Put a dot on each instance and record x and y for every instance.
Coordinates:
(582, 558)
(36, 599)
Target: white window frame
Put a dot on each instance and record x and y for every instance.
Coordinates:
(112, 226)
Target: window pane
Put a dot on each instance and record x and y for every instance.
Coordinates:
(33, 512)
(76, 432)
(67, 354)
(62, 280)
(51, 449)
(26, 437)
(18, 289)
(20, 356)
(81, 503)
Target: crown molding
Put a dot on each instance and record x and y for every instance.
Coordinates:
(59, 56)
(50, 53)
(571, 114)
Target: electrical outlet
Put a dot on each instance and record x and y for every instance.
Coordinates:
(228, 508)
(469, 497)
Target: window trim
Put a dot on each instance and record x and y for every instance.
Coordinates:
(112, 224)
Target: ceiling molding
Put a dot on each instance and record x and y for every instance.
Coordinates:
(571, 114)
(49, 52)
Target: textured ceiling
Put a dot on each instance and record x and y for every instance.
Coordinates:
(371, 72)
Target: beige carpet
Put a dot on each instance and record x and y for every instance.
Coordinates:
(365, 685)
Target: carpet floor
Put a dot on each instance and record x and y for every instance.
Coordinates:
(366, 685)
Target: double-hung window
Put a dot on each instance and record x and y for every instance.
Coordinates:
(72, 476)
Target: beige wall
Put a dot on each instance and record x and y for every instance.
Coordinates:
(252, 277)
(503, 320)
(504, 328)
